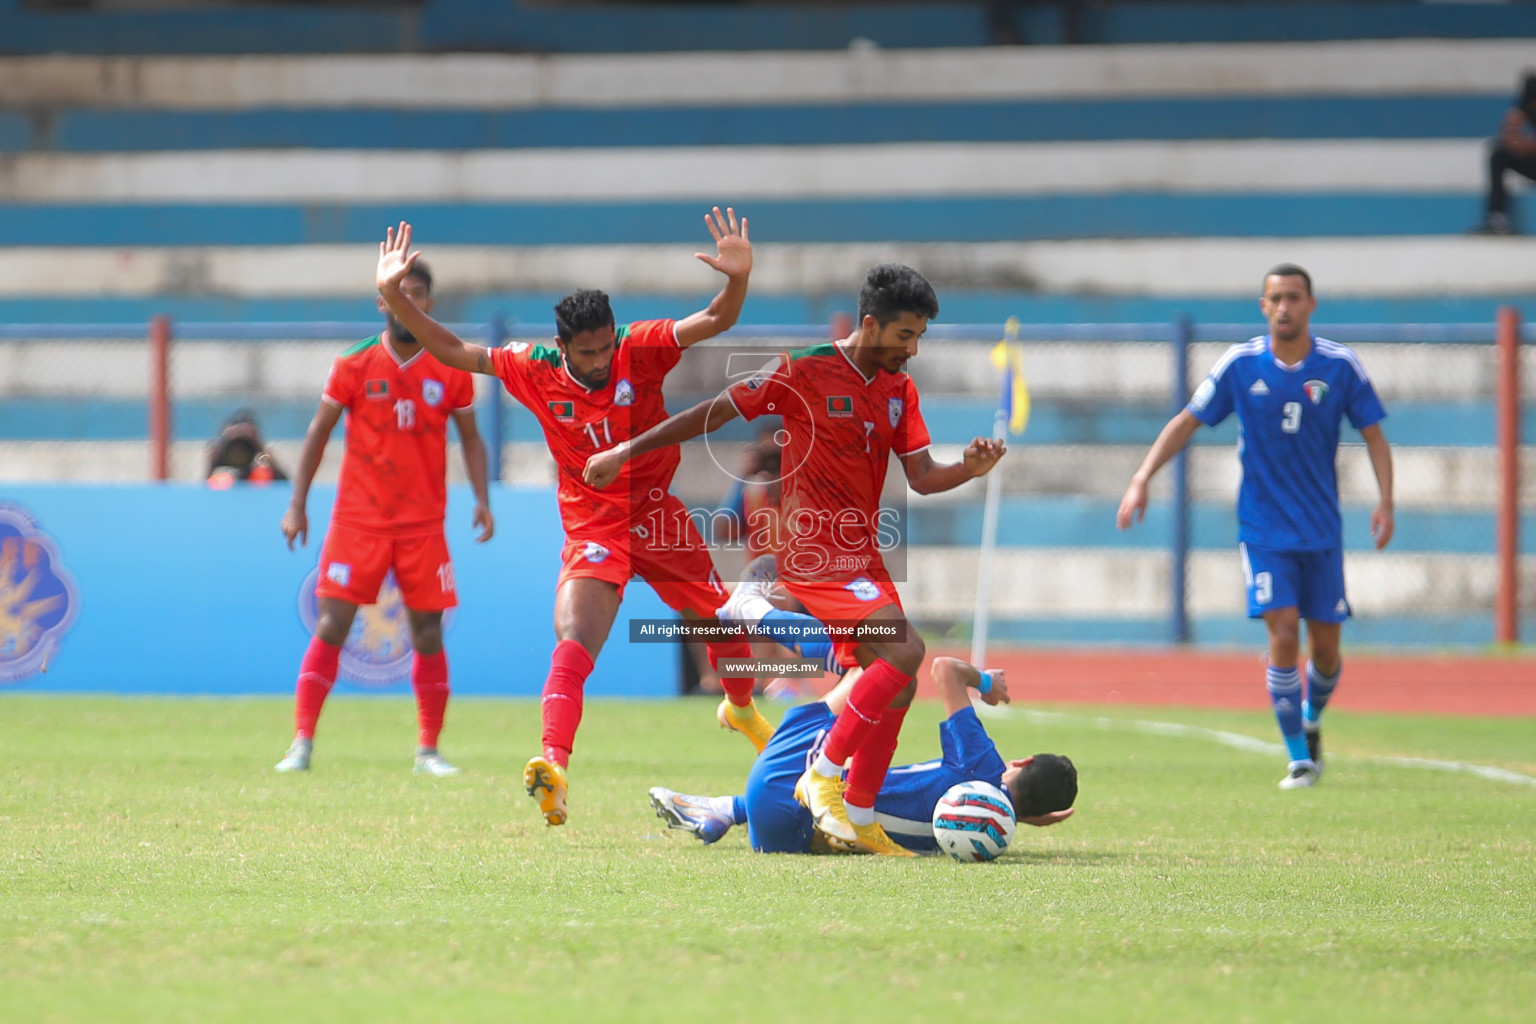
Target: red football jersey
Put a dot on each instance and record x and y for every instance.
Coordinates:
(842, 428)
(579, 421)
(393, 474)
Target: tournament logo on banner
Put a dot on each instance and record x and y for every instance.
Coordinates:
(38, 599)
(378, 649)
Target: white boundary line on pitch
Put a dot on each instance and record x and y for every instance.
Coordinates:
(1238, 741)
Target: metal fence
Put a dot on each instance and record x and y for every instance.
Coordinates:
(134, 401)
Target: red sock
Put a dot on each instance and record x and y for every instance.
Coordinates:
(872, 694)
(429, 678)
(737, 688)
(317, 674)
(867, 767)
(568, 670)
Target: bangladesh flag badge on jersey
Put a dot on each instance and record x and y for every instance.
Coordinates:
(840, 406)
(1317, 390)
(564, 412)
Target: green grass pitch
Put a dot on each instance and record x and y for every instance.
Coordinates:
(156, 869)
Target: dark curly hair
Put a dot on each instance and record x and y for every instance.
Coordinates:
(892, 289)
(586, 309)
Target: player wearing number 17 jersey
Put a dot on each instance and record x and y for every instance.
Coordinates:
(388, 514)
(846, 408)
(1291, 392)
(598, 385)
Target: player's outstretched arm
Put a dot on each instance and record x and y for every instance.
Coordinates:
(603, 468)
(733, 258)
(955, 679)
(1175, 435)
(928, 477)
(477, 469)
(1382, 519)
(395, 262)
(295, 523)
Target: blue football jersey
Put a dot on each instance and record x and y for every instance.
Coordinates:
(906, 801)
(1288, 437)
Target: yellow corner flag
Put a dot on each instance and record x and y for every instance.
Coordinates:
(1008, 356)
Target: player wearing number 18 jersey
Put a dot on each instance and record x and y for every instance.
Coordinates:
(1290, 391)
(846, 408)
(598, 385)
(388, 514)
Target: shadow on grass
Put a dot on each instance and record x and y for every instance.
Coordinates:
(1034, 858)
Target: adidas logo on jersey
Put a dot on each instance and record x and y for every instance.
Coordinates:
(1259, 388)
(1342, 608)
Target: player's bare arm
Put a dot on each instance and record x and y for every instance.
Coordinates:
(733, 258)
(295, 523)
(1175, 435)
(476, 468)
(603, 468)
(955, 679)
(1382, 520)
(928, 477)
(395, 262)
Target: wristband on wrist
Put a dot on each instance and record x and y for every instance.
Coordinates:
(985, 686)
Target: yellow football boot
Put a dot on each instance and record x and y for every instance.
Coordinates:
(748, 721)
(545, 782)
(873, 839)
(823, 797)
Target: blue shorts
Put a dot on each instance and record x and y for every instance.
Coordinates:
(776, 823)
(1310, 581)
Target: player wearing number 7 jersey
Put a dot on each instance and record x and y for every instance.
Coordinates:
(596, 386)
(1290, 391)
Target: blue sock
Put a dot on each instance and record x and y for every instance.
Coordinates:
(739, 810)
(1319, 689)
(1285, 690)
(804, 635)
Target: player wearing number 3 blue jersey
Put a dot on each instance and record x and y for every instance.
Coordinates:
(1290, 391)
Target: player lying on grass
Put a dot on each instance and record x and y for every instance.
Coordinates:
(846, 407)
(594, 387)
(1043, 787)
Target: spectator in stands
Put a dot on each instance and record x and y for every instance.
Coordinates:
(1513, 150)
(239, 454)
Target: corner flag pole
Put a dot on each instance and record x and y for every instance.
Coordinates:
(1009, 412)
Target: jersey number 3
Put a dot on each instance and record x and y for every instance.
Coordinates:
(1290, 419)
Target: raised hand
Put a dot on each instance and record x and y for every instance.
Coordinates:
(998, 693)
(395, 257)
(733, 256)
(982, 454)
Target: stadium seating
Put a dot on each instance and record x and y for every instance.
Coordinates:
(1098, 184)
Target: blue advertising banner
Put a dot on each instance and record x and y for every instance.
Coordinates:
(181, 589)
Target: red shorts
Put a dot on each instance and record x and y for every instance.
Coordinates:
(353, 564)
(844, 602)
(662, 546)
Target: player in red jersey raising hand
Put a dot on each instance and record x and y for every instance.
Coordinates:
(599, 385)
(846, 407)
(388, 514)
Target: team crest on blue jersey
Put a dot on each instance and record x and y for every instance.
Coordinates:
(624, 393)
(1317, 390)
(894, 407)
(377, 651)
(863, 589)
(38, 599)
(431, 391)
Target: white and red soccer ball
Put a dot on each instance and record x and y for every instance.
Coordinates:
(974, 821)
